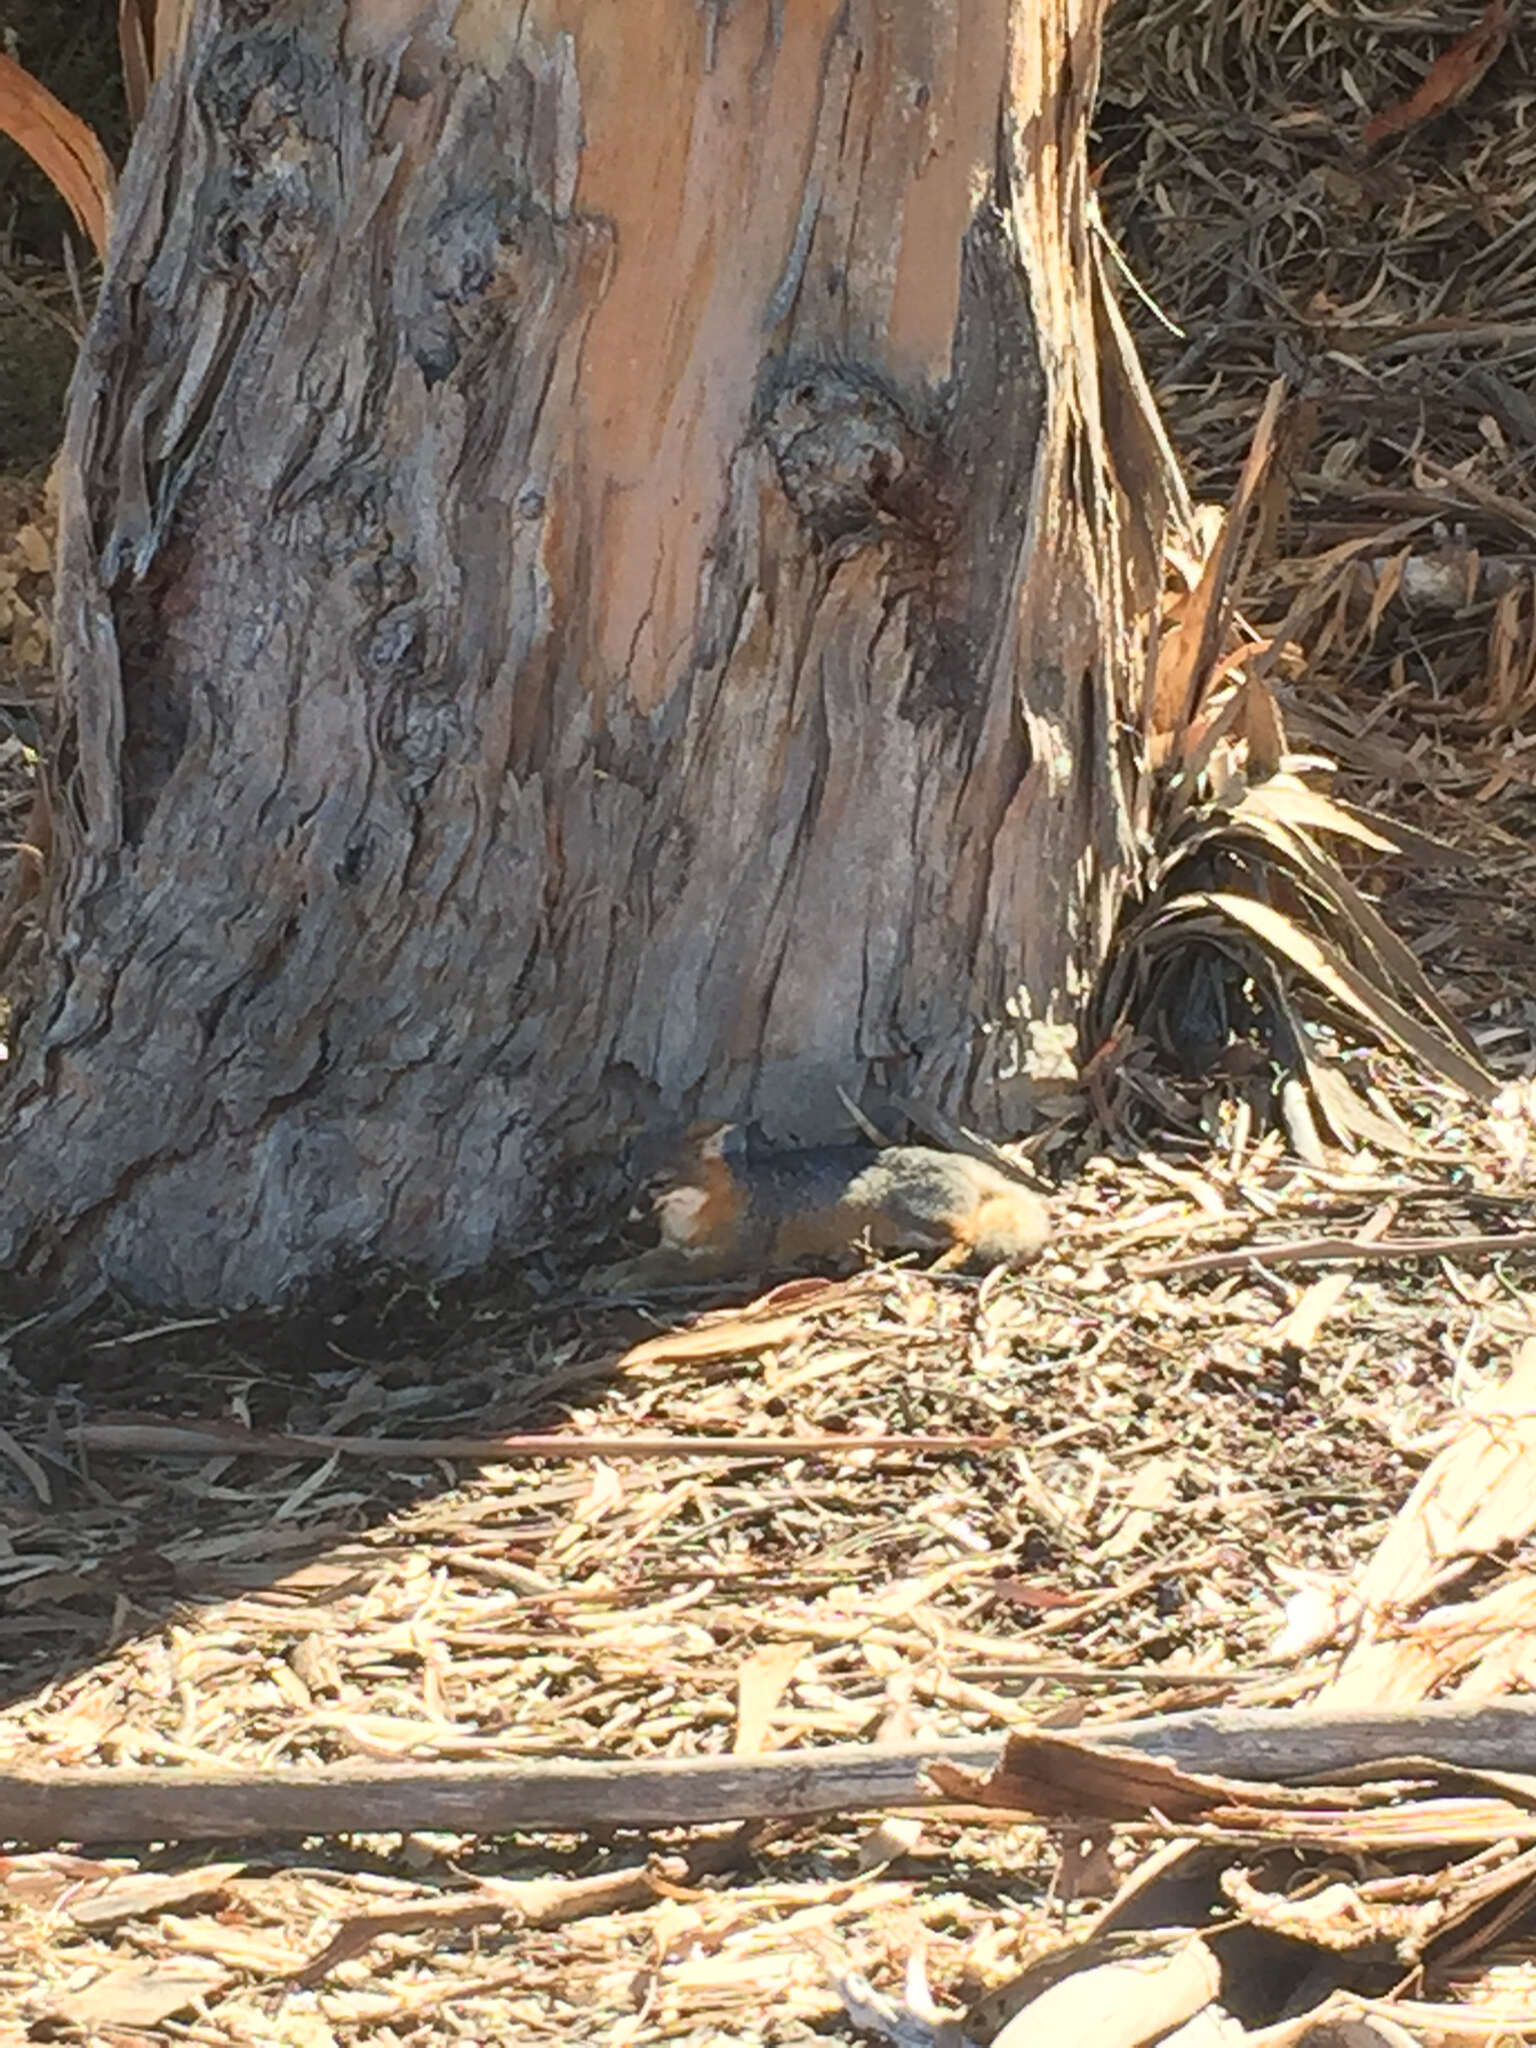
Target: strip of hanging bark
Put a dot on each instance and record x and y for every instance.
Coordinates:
(1185, 673)
(1334, 1251)
(231, 1439)
(135, 43)
(1052, 1778)
(43, 1807)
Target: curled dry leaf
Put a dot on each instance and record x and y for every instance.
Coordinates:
(1450, 78)
(63, 147)
(777, 1317)
(1120, 2004)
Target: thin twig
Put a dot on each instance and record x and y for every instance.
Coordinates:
(1333, 1251)
(231, 1439)
(525, 1902)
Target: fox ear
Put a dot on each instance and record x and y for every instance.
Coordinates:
(718, 1141)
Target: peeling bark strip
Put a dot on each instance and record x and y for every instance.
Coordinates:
(594, 587)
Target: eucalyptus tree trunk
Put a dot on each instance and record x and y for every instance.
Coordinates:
(603, 564)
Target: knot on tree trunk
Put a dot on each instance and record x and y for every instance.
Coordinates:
(853, 461)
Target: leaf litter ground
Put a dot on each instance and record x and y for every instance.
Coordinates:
(1214, 1429)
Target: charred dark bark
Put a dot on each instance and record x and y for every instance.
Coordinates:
(594, 587)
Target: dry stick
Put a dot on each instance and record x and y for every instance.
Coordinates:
(122, 1804)
(229, 1439)
(1332, 1251)
(525, 1902)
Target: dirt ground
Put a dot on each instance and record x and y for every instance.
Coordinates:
(1204, 1432)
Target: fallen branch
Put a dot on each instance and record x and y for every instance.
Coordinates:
(1334, 1251)
(43, 1807)
(233, 1440)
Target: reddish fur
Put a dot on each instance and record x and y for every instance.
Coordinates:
(720, 1218)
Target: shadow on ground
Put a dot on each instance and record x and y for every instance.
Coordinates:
(97, 1549)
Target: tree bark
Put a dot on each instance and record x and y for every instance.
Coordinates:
(602, 561)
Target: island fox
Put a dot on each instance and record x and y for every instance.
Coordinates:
(722, 1211)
